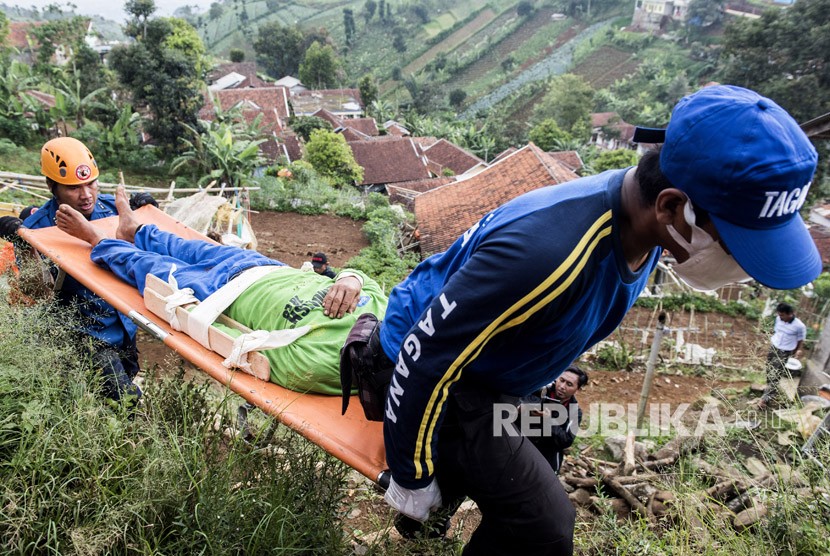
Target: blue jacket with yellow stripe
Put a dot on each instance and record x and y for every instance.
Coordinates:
(509, 305)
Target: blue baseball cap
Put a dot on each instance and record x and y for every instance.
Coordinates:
(744, 160)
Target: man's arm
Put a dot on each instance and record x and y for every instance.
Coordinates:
(343, 296)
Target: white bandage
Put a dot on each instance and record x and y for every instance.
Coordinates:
(260, 340)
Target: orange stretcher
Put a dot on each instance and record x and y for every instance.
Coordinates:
(350, 437)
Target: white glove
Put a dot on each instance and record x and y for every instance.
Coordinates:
(414, 503)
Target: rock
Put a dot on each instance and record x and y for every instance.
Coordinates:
(787, 438)
(659, 509)
(789, 476)
(750, 516)
(756, 468)
(703, 401)
(664, 496)
(616, 445)
(643, 491)
(679, 445)
(354, 513)
(569, 488)
(580, 497)
(757, 388)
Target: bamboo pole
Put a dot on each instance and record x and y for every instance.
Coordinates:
(652, 361)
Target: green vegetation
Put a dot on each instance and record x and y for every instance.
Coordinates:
(79, 476)
(702, 304)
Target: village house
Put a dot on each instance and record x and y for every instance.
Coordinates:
(446, 212)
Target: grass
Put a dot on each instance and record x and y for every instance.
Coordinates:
(81, 477)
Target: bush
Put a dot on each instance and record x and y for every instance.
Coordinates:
(14, 158)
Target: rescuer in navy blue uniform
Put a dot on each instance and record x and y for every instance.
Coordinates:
(478, 325)
(72, 176)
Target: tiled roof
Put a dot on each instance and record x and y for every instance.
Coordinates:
(351, 134)
(44, 98)
(272, 149)
(404, 193)
(246, 69)
(18, 33)
(571, 159)
(425, 142)
(367, 126)
(272, 102)
(324, 114)
(292, 145)
(391, 161)
(503, 154)
(443, 214)
(599, 119)
(449, 155)
(394, 128)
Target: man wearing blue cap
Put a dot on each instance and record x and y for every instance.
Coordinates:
(474, 328)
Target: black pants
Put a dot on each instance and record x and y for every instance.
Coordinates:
(523, 506)
(776, 369)
(118, 369)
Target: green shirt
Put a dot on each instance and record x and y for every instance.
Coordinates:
(290, 298)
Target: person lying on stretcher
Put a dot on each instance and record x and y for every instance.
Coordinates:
(283, 299)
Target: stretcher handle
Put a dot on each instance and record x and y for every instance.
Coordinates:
(147, 325)
(384, 478)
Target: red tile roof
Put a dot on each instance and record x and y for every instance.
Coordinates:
(324, 114)
(449, 155)
(571, 159)
(292, 145)
(18, 33)
(351, 134)
(443, 214)
(44, 98)
(271, 102)
(404, 193)
(503, 154)
(391, 161)
(367, 126)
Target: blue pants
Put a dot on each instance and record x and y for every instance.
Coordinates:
(200, 265)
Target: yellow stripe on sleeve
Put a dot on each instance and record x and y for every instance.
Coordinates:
(579, 255)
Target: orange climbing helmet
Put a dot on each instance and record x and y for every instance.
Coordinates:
(67, 161)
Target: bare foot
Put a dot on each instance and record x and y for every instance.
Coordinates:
(127, 223)
(75, 224)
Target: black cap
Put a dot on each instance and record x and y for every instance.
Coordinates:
(27, 212)
(319, 259)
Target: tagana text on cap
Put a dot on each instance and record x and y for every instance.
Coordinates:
(743, 159)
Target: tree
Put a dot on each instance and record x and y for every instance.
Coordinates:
(398, 42)
(348, 25)
(141, 10)
(332, 157)
(58, 32)
(369, 9)
(272, 5)
(279, 49)
(164, 73)
(304, 125)
(569, 101)
(611, 160)
(421, 12)
(703, 13)
(457, 98)
(368, 89)
(784, 55)
(216, 154)
(320, 66)
(548, 136)
(237, 55)
(216, 11)
(524, 8)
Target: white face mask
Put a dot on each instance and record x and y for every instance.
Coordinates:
(708, 267)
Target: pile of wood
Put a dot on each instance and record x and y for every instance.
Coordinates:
(638, 484)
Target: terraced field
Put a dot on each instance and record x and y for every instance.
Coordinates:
(487, 70)
(451, 42)
(606, 65)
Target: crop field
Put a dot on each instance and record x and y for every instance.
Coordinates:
(487, 69)
(606, 65)
(443, 21)
(452, 41)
